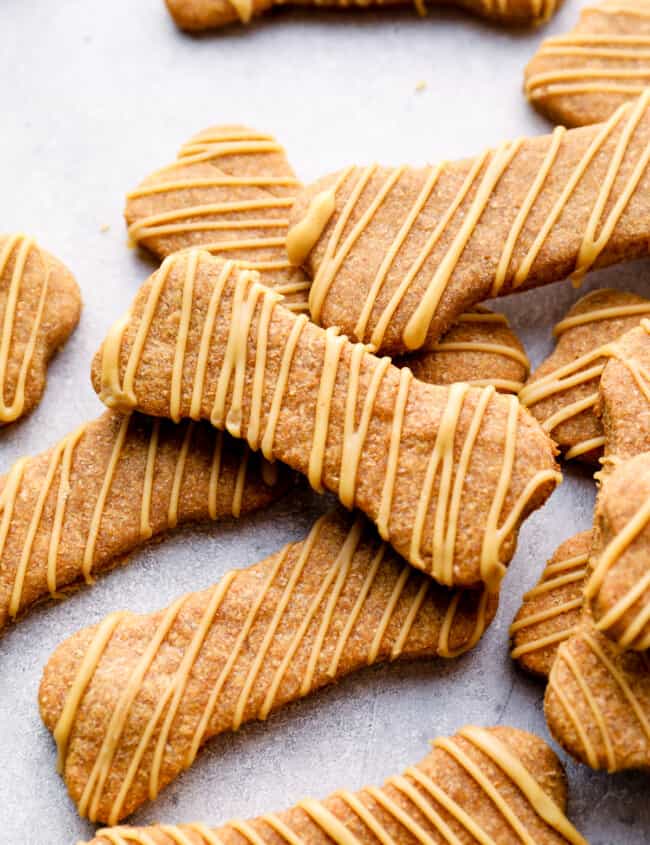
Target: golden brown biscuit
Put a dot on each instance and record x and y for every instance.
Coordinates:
(562, 393)
(597, 702)
(400, 450)
(396, 254)
(131, 701)
(584, 76)
(40, 305)
(82, 506)
(552, 610)
(194, 15)
(229, 191)
(488, 785)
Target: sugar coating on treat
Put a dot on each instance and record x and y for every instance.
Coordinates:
(406, 250)
(262, 637)
(584, 76)
(552, 610)
(195, 15)
(82, 506)
(39, 308)
(396, 448)
(229, 191)
(562, 393)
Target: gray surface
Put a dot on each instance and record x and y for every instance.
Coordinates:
(96, 93)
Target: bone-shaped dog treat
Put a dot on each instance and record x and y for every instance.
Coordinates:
(447, 474)
(494, 786)
(80, 507)
(261, 637)
(563, 392)
(39, 308)
(552, 610)
(229, 191)
(584, 76)
(597, 702)
(194, 15)
(397, 253)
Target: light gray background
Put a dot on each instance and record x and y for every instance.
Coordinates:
(95, 94)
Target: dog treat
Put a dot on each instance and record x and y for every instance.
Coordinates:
(480, 349)
(396, 448)
(597, 702)
(194, 15)
(260, 638)
(563, 392)
(82, 506)
(488, 785)
(552, 610)
(583, 77)
(39, 308)
(229, 191)
(396, 254)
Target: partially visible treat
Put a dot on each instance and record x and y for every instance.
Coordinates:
(132, 700)
(447, 473)
(79, 508)
(562, 393)
(229, 191)
(584, 76)
(40, 306)
(552, 610)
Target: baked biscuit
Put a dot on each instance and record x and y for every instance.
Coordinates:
(131, 701)
(195, 15)
(552, 610)
(563, 392)
(396, 254)
(384, 442)
(229, 191)
(584, 76)
(40, 305)
(82, 506)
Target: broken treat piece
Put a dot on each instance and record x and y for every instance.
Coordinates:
(40, 305)
(604, 62)
(131, 700)
(195, 15)
(597, 702)
(480, 349)
(229, 191)
(399, 450)
(552, 610)
(396, 254)
(82, 506)
(563, 392)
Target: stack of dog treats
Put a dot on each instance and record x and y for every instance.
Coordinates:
(257, 353)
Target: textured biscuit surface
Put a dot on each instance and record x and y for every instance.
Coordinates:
(562, 393)
(131, 701)
(584, 76)
(396, 254)
(39, 308)
(447, 473)
(83, 505)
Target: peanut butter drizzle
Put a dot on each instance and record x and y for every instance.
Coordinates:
(483, 178)
(325, 601)
(20, 247)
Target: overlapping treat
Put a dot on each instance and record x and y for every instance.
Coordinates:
(584, 76)
(194, 15)
(552, 610)
(487, 785)
(396, 254)
(83, 505)
(204, 340)
(563, 392)
(131, 701)
(39, 308)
